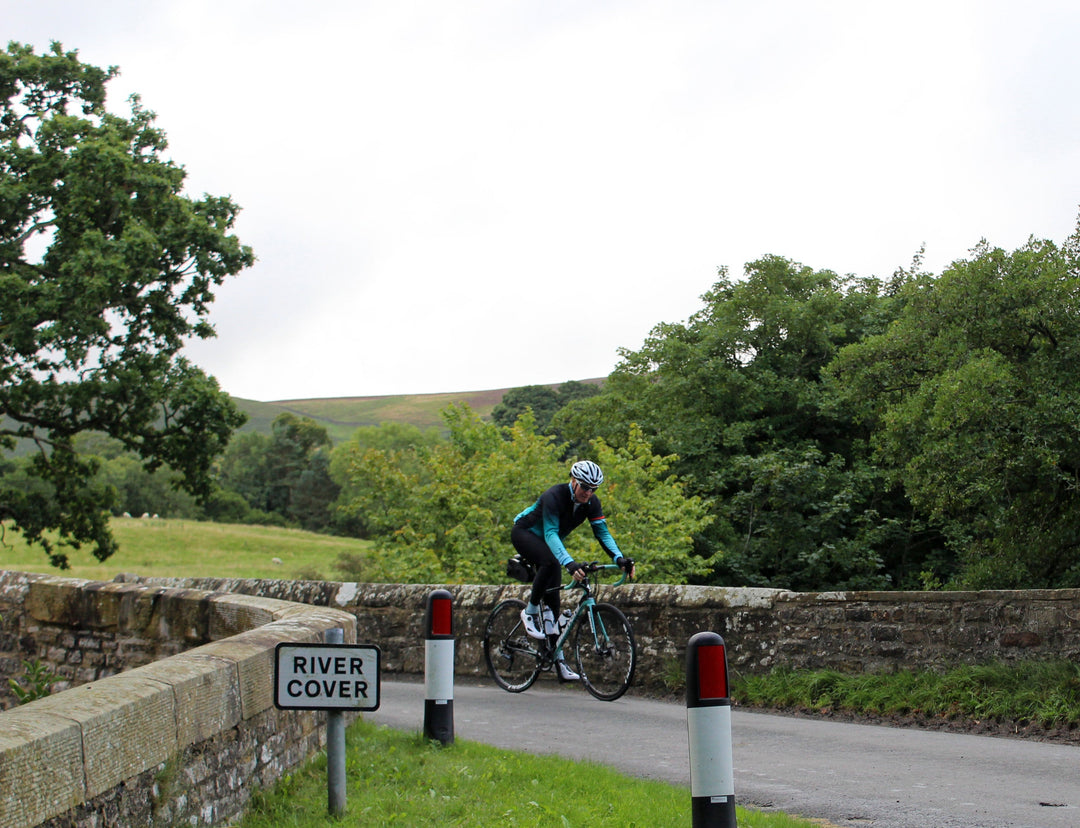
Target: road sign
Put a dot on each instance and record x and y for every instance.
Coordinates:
(326, 676)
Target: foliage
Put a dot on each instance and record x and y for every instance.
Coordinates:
(443, 513)
(136, 491)
(286, 474)
(545, 403)
(37, 682)
(806, 521)
(653, 519)
(737, 394)
(105, 269)
(401, 440)
(543, 400)
(974, 399)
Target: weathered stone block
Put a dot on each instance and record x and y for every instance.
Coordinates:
(128, 724)
(206, 691)
(41, 769)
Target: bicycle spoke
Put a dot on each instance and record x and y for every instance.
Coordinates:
(511, 656)
(605, 651)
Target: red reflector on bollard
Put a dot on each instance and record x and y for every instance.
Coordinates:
(442, 616)
(712, 672)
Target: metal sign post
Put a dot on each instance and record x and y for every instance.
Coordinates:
(334, 677)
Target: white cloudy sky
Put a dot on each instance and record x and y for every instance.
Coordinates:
(450, 195)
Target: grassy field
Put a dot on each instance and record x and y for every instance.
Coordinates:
(189, 548)
(398, 778)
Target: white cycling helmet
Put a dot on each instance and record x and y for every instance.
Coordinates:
(587, 472)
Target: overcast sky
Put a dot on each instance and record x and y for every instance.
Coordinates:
(457, 195)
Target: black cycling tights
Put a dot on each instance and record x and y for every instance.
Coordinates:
(548, 569)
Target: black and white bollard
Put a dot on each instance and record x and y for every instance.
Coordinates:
(708, 722)
(439, 667)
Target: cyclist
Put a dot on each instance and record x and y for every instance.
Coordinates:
(538, 535)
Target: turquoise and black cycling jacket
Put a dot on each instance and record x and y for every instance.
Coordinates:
(555, 515)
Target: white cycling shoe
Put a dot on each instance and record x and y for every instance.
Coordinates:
(532, 624)
(564, 672)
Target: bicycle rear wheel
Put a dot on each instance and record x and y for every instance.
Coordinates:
(605, 651)
(512, 657)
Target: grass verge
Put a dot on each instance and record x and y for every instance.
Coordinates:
(1043, 694)
(398, 778)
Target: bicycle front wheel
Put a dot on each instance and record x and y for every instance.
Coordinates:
(512, 657)
(605, 651)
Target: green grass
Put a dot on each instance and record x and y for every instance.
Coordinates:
(398, 778)
(1041, 693)
(190, 548)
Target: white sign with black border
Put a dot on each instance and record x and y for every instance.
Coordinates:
(326, 676)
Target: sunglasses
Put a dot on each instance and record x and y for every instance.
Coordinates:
(581, 485)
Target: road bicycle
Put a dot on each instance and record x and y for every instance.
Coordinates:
(601, 640)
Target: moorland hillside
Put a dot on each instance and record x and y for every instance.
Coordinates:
(341, 416)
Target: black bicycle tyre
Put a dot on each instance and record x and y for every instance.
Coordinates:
(511, 656)
(606, 667)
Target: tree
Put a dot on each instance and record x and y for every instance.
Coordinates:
(402, 441)
(737, 394)
(106, 268)
(443, 513)
(285, 474)
(974, 398)
(654, 519)
(542, 399)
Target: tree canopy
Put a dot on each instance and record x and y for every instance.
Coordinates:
(736, 394)
(106, 269)
(545, 402)
(973, 397)
(442, 512)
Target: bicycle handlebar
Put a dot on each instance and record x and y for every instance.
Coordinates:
(595, 566)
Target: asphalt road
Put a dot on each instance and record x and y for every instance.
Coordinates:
(848, 774)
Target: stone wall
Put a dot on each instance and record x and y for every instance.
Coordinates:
(188, 730)
(762, 628)
(184, 735)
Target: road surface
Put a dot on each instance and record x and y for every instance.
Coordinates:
(848, 774)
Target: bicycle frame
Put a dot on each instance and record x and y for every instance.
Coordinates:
(585, 603)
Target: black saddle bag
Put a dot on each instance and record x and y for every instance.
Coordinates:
(520, 569)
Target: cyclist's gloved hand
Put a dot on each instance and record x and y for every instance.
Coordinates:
(577, 570)
(626, 564)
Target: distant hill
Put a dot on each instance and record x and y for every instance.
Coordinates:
(341, 416)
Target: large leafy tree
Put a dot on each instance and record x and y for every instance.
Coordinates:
(443, 512)
(404, 442)
(106, 269)
(656, 521)
(974, 396)
(545, 402)
(284, 474)
(737, 393)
